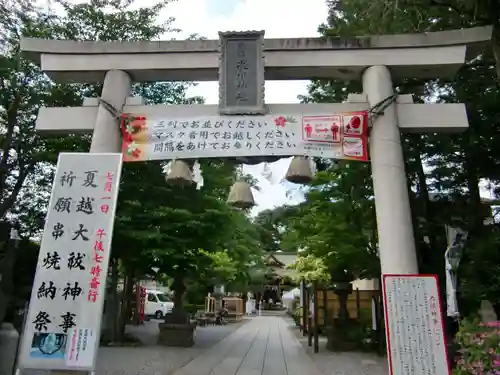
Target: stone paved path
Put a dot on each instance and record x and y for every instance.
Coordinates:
(264, 346)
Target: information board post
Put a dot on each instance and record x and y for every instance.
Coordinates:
(414, 325)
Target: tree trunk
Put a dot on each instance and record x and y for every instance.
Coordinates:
(475, 209)
(179, 289)
(128, 285)
(423, 197)
(495, 37)
(428, 252)
(111, 307)
(6, 272)
(112, 304)
(178, 314)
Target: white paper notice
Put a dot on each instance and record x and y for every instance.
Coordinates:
(80, 348)
(414, 326)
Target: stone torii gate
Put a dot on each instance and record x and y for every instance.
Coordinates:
(378, 60)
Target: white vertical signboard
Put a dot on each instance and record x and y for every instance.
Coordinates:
(414, 325)
(63, 325)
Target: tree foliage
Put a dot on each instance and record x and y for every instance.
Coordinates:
(337, 221)
(444, 171)
(424, 15)
(157, 225)
(311, 268)
(272, 224)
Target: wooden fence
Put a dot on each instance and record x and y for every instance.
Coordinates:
(359, 304)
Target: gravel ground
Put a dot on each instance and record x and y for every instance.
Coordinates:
(152, 359)
(347, 363)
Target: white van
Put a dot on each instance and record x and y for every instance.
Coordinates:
(157, 304)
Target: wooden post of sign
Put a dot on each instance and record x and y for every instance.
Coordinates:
(309, 316)
(325, 307)
(315, 317)
(305, 310)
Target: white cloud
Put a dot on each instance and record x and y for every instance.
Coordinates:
(279, 19)
(276, 192)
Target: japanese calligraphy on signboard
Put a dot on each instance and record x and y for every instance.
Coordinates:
(414, 325)
(340, 136)
(63, 322)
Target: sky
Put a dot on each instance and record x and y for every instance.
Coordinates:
(279, 19)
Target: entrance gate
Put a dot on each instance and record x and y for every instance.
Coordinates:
(241, 62)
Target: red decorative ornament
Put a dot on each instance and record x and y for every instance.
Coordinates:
(355, 122)
(136, 153)
(280, 121)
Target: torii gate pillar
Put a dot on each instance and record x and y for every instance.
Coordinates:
(395, 230)
(106, 136)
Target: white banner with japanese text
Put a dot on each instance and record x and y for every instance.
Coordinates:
(331, 136)
(414, 325)
(63, 324)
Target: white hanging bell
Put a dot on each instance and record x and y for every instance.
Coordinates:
(299, 171)
(241, 196)
(179, 174)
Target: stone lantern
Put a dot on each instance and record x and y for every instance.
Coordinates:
(338, 335)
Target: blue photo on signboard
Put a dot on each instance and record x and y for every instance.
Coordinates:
(48, 345)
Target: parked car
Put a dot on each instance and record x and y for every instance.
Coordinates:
(157, 304)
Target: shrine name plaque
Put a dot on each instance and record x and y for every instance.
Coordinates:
(414, 325)
(241, 73)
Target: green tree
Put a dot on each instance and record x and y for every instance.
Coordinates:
(443, 170)
(24, 88)
(425, 14)
(311, 268)
(23, 165)
(246, 249)
(272, 224)
(234, 266)
(27, 164)
(337, 221)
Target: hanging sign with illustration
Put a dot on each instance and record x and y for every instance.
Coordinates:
(338, 136)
